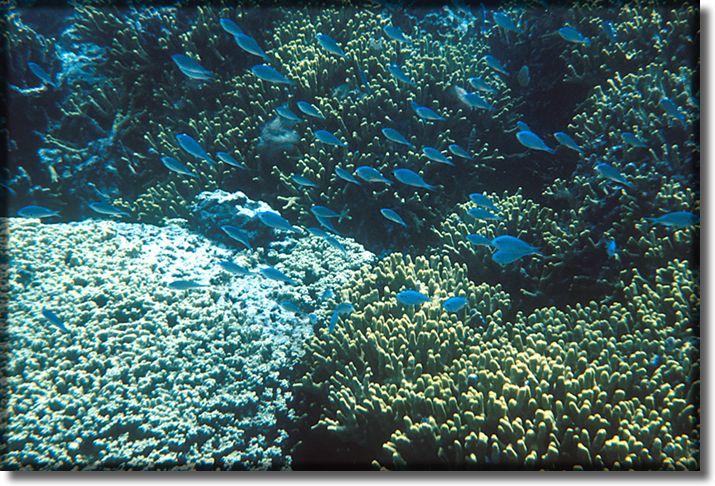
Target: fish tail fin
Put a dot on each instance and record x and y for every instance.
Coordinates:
(342, 215)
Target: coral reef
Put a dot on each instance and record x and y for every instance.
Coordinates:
(590, 387)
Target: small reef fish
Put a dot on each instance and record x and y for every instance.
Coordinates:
(105, 208)
(412, 297)
(460, 152)
(328, 138)
(411, 178)
(340, 309)
(230, 26)
(613, 174)
(481, 213)
(362, 76)
(267, 73)
(395, 33)
(345, 175)
(395, 136)
(609, 30)
(505, 22)
(310, 110)
(502, 257)
(570, 34)
(523, 77)
(472, 100)
(426, 113)
(41, 74)
(237, 234)
(611, 248)
(454, 304)
(234, 268)
(274, 274)
(495, 64)
(399, 74)
(286, 113)
(325, 223)
(329, 44)
(186, 285)
(54, 319)
(479, 240)
(480, 85)
(370, 174)
(327, 294)
(38, 212)
(672, 110)
(332, 241)
(191, 146)
(275, 221)
(481, 200)
(249, 44)
(678, 219)
(511, 249)
(174, 165)
(227, 158)
(393, 216)
(303, 181)
(323, 212)
(191, 68)
(531, 140)
(630, 139)
(289, 306)
(436, 156)
(568, 142)
(312, 318)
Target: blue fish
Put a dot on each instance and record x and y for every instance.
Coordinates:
(613, 174)
(609, 30)
(190, 145)
(186, 285)
(505, 22)
(480, 85)
(533, 141)
(611, 248)
(399, 74)
(234, 268)
(393, 216)
(341, 309)
(274, 274)
(312, 318)
(630, 139)
(395, 33)
(346, 175)
(41, 73)
(672, 110)
(503, 257)
(570, 34)
(54, 319)
(310, 109)
(411, 178)
(435, 155)
(412, 297)
(460, 152)
(105, 208)
(237, 234)
(479, 240)
(523, 76)
(323, 212)
(481, 200)
(472, 100)
(494, 63)
(656, 361)
(267, 73)
(568, 142)
(678, 219)
(514, 245)
(523, 127)
(395, 136)
(275, 221)
(426, 113)
(37, 212)
(249, 44)
(454, 304)
(332, 241)
(329, 44)
(289, 306)
(227, 158)
(327, 294)
(328, 138)
(481, 213)
(286, 113)
(325, 223)
(369, 174)
(174, 165)
(362, 75)
(303, 181)
(230, 26)
(191, 68)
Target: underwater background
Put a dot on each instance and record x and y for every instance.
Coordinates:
(458, 235)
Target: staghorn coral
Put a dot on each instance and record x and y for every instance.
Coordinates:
(418, 388)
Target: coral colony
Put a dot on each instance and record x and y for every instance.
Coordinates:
(365, 236)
